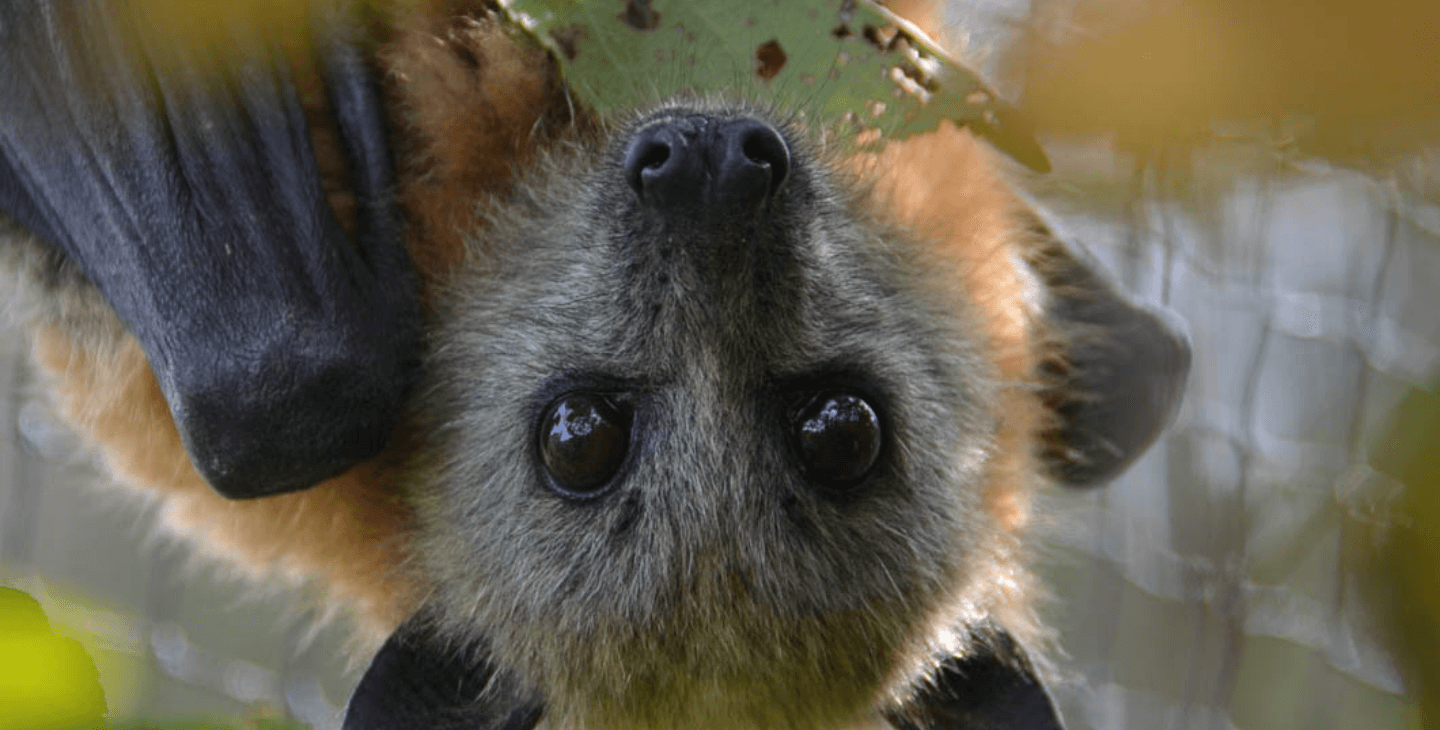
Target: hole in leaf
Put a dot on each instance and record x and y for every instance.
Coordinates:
(771, 59)
(883, 38)
(639, 16)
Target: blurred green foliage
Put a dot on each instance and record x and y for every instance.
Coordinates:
(1406, 567)
(1338, 79)
(46, 682)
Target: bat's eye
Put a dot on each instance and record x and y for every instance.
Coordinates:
(838, 437)
(583, 440)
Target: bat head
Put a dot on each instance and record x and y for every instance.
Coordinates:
(701, 437)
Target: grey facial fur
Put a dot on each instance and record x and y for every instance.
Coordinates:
(711, 583)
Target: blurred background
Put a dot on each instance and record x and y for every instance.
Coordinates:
(1268, 171)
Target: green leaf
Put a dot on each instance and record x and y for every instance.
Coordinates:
(850, 65)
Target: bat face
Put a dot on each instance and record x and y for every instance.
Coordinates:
(700, 438)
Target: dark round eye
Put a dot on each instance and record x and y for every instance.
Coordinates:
(838, 436)
(583, 440)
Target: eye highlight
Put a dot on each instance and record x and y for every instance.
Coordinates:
(583, 439)
(838, 438)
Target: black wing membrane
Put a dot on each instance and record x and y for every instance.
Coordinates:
(178, 172)
(991, 687)
(418, 680)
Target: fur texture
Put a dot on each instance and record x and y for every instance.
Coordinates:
(712, 588)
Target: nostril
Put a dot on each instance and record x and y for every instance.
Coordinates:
(764, 146)
(647, 152)
(654, 156)
(755, 161)
(665, 164)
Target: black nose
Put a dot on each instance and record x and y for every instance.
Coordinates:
(711, 165)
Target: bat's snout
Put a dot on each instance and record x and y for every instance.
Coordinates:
(700, 163)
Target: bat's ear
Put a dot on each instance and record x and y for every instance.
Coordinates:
(420, 680)
(991, 686)
(1116, 370)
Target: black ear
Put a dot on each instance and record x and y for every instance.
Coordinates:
(418, 680)
(178, 172)
(991, 687)
(1117, 377)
